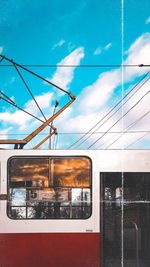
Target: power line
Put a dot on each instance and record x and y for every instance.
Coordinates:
(55, 106)
(55, 141)
(27, 87)
(119, 107)
(37, 75)
(137, 140)
(79, 66)
(109, 112)
(1, 60)
(131, 125)
(16, 106)
(8, 98)
(113, 136)
(119, 119)
(65, 133)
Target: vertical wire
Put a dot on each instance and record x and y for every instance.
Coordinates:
(56, 141)
(122, 174)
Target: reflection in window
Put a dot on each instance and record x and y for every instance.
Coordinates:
(49, 188)
(118, 196)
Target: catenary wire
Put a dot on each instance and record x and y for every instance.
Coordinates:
(7, 97)
(108, 140)
(79, 66)
(129, 126)
(34, 74)
(16, 106)
(65, 133)
(120, 119)
(120, 101)
(56, 141)
(23, 80)
(137, 140)
(115, 111)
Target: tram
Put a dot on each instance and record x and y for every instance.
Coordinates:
(74, 208)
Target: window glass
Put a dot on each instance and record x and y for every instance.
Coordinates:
(70, 172)
(49, 188)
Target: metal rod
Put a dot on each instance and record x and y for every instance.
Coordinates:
(38, 76)
(12, 141)
(44, 140)
(23, 80)
(16, 106)
(38, 130)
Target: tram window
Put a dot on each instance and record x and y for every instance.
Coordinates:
(49, 188)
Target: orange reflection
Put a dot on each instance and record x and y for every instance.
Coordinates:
(29, 169)
(71, 172)
(66, 172)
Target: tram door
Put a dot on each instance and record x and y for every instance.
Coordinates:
(125, 219)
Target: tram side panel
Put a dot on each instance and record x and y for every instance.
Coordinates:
(36, 229)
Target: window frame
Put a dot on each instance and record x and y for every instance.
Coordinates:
(49, 157)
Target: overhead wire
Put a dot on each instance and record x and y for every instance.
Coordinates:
(137, 140)
(65, 133)
(7, 97)
(118, 108)
(16, 106)
(129, 126)
(79, 66)
(120, 119)
(1, 61)
(112, 136)
(23, 66)
(29, 91)
(17, 66)
(36, 75)
(55, 141)
(109, 112)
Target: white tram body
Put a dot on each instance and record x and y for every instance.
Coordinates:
(80, 234)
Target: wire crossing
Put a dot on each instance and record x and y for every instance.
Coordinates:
(89, 133)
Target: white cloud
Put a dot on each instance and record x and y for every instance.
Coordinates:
(108, 46)
(95, 96)
(18, 118)
(148, 20)
(98, 51)
(4, 135)
(138, 53)
(4, 132)
(58, 44)
(63, 76)
(93, 102)
(21, 119)
(1, 49)
(43, 100)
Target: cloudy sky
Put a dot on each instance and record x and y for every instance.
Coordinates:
(103, 34)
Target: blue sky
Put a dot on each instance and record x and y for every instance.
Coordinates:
(75, 32)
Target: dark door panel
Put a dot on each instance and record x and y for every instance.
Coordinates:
(125, 219)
